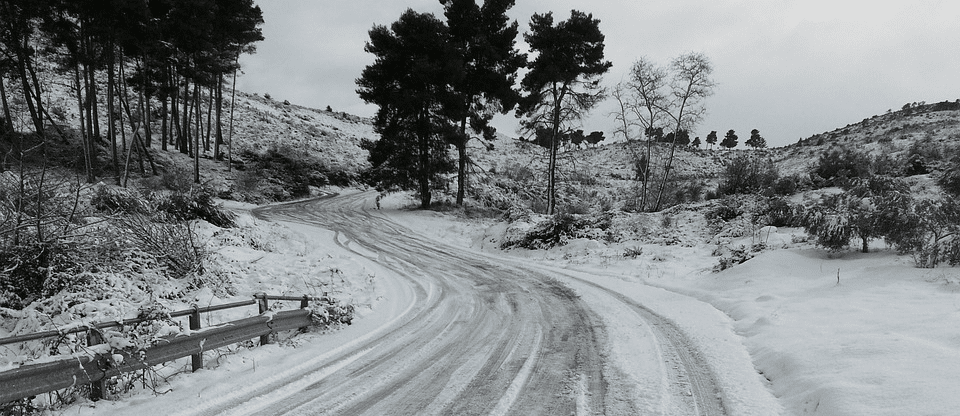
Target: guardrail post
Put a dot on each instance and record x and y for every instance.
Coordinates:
(304, 304)
(262, 305)
(197, 359)
(95, 338)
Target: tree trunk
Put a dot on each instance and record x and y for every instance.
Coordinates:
(218, 137)
(423, 134)
(646, 176)
(35, 113)
(111, 122)
(175, 112)
(666, 169)
(554, 145)
(7, 126)
(197, 119)
(92, 98)
(148, 112)
(196, 137)
(83, 123)
(206, 137)
(185, 119)
(462, 162)
(233, 96)
(163, 123)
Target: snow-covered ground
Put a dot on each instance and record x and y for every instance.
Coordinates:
(882, 341)
(885, 340)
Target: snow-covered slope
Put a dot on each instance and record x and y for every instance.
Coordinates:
(334, 138)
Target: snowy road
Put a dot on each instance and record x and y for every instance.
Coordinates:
(481, 336)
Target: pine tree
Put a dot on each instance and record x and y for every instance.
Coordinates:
(756, 141)
(484, 42)
(729, 140)
(563, 81)
(410, 81)
(712, 138)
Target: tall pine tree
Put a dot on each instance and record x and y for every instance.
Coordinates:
(484, 40)
(409, 81)
(563, 81)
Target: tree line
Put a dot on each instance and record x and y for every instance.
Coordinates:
(125, 62)
(438, 83)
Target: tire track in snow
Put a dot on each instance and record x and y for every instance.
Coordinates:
(691, 370)
(494, 362)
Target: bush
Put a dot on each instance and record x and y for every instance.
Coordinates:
(781, 213)
(836, 167)
(950, 179)
(831, 228)
(784, 186)
(119, 200)
(869, 209)
(174, 245)
(927, 229)
(735, 256)
(726, 211)
(31, 271)
(196, 204)
(747, 174)
(886, 165)
(559, 229)
(519, 173)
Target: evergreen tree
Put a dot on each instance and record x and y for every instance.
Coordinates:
(712, 138)
(563, 81)
(410, 82)
(729, 140)
(756, 141)
(483, 39)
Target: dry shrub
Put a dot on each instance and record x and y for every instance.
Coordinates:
(173, 244)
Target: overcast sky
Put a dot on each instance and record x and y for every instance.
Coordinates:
(790, 68)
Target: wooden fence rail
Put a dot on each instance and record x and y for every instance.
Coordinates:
(32, 379)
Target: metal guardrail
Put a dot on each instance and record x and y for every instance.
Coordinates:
(32, 379)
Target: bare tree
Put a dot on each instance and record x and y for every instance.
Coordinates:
(641, 99)
(672, 96)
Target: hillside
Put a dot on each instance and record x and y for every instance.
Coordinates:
(333, 138)
(925, 129)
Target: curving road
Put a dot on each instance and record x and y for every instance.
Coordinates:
(484, 336)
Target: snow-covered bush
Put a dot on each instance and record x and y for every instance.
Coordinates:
(748, 174)
(173, 244)
(929, 230)
(162, 205)
(950, 179)
(730, 257)
(197, 203)
(725, 211)
(43, 229)
(831, 226)
(327, 314)
(837, 166)
(779, 212)
(561, 228)
(119, 200)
